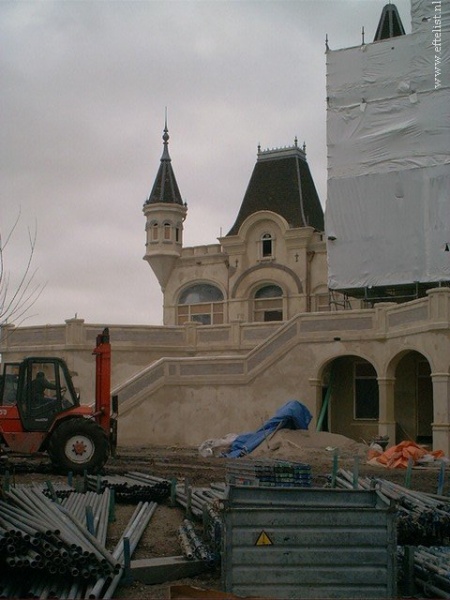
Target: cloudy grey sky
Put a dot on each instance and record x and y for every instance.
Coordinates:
(84, 89)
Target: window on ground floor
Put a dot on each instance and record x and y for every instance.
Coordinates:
(366, 399)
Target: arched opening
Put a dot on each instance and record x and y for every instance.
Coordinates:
(202, 303)
(413, 399)
(167, 227)
(266, 245)
(268, 304)
(350, 398)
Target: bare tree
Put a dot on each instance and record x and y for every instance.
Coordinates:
(16, 300)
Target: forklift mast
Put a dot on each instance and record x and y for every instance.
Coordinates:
(102, 353)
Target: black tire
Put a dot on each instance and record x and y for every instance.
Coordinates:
(78, 445)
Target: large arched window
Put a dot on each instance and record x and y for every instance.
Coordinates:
(268, 304)
(202, 303)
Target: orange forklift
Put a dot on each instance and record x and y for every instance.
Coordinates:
(40, 411)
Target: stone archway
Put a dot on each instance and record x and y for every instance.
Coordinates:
(350, 398)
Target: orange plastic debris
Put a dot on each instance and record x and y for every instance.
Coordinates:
(373, 453)
(438, 453)
(397, 457)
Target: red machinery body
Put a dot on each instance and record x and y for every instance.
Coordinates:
(41, 411)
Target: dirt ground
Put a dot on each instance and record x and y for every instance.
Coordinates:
(161, 538)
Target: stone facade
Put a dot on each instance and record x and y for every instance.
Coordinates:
(176, 385)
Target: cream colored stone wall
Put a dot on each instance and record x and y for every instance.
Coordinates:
(215, 396)
(181, 385)
(134, 348)
(237, 268)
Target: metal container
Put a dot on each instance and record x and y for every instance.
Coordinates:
(308, 543)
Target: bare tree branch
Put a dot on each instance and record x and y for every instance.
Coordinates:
(15, 303)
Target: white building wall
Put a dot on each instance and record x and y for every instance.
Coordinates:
(388, 128)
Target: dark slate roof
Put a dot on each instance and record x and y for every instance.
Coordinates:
(390, 24)
(282, 183)
(165, 188)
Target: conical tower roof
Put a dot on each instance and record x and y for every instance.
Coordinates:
(165, 189)
(390, 24)
(282, 183)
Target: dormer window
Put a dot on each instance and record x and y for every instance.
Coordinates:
(267, 243)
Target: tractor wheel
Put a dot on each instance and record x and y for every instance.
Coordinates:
(78, 445)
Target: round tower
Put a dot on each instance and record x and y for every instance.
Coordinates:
(165, 212)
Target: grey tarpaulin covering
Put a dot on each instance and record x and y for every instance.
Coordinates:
(388, 136)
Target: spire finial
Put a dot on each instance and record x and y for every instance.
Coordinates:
(165, 138)
(295, 141)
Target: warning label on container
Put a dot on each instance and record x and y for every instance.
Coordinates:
(263, 540)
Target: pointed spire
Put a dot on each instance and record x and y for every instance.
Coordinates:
(390, 24)
(165, 188)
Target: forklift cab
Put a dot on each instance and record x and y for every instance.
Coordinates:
(41, 388)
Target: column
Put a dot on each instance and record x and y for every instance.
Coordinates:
(317, 401)
(386, 417)
(441, 412)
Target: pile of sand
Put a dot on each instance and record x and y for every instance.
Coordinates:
(303, 446)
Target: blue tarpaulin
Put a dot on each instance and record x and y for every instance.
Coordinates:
(293, 415)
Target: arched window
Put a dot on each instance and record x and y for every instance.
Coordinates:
(268, 304)
(202, 303)
(267, 243)
(167, 231)
(154, 231)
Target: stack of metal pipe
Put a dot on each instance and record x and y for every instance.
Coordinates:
(53, 534)
(423, 527)
(431, 570)
(422, 518)
(105, 586)
(195, 498)
(132, 487)
(93, 508)
(192, 546)
(268, 473)
(213, 527)
(63, 556)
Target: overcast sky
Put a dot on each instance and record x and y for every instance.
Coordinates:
(84, 90)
